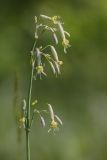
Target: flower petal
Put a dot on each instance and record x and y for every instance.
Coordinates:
(59, 120)
(51, 111)
(54, 53)
(42, 121)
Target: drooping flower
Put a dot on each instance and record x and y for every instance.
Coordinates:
(65, 44)
(40, 70)
(55, 19)
(65, 41)
(55, 120)
(39, 67)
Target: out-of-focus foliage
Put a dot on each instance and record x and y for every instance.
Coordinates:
(79, 94)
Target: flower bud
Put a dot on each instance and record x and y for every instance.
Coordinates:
(38, 56)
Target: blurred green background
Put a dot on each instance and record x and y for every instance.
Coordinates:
(79, 95)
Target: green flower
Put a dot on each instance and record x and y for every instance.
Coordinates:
(55, 120)
(55, 19)
(65, 44)
(40, 70)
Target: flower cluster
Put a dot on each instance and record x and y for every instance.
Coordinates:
(40, 55)
(51, 57)
(55, 120)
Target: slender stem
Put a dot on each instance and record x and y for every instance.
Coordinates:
(30, 93)
(28, 110)
(34, 46)
(32, 118)
(27, 146)
(45, 47)
(28, 117)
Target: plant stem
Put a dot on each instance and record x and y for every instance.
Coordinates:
(28, 110)
(27, 146)
(28, 117)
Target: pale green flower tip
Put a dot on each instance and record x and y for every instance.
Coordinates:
(59, 120)
(61, 30)
(40, 70)
(52, 66)
(35, 18)
(55, 38)
(68, 34)
(34, 102)
(45, 17)
(65, 44)
(55, 19)
(51, 111)
(42, 121)
(24, 104)
(55, 55)
(57, 67)
(36, 36)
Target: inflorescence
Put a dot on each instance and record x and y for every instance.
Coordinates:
(53, 25)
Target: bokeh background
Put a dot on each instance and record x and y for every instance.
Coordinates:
(79, 95)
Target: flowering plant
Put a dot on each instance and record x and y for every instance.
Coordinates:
(53, 25)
